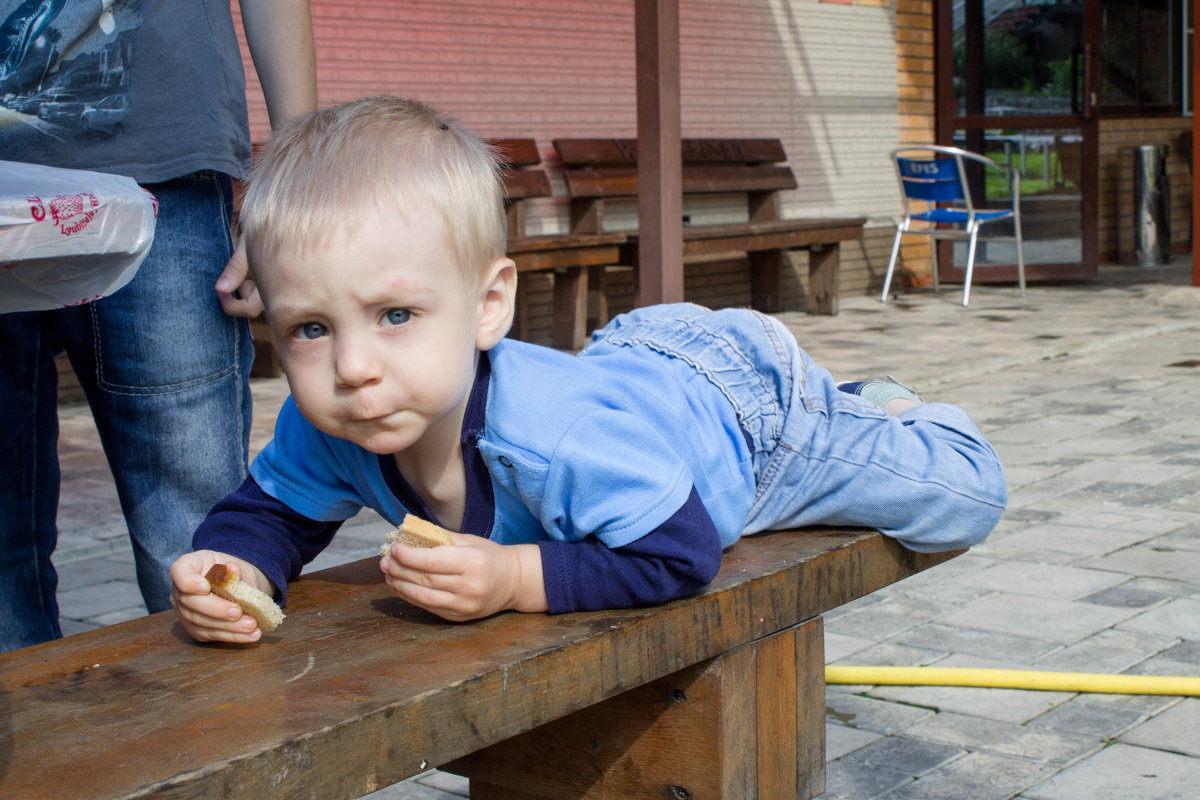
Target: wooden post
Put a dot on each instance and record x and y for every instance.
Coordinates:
(1195, 138)
(660, 159)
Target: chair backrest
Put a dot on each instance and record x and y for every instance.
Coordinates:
(934, 180)
(937, 174)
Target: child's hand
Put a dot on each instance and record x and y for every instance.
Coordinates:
(236, 288)
(206, 617)
(474, 578)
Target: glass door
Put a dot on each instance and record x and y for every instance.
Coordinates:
(1014, 82)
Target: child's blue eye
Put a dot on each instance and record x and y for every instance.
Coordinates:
(398, 316)
(311, 330)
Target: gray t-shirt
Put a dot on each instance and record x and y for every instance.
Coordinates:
(151, 89)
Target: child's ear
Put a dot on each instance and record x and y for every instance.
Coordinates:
(498, 294)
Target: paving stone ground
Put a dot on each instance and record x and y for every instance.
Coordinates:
(1090, 391)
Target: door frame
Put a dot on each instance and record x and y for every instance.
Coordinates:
(947, 122)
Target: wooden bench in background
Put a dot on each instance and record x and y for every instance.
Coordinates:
(718, 695)
(567, 256)
(600, 170)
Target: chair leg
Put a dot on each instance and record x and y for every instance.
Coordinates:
(887, 279)
(935, 263)
(970, 265)
(1020, 256)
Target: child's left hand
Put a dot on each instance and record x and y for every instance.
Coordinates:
(474, 578)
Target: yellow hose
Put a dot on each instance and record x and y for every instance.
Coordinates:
(1014, 679)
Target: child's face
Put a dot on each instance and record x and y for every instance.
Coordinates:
(379, 330)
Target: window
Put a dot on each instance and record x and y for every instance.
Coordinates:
(1141, 65)
(1189, 54)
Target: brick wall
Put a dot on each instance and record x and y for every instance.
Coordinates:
(820, 76)
(1116, 197)
(561, 68)
(915, 91)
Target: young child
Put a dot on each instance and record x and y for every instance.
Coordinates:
(612, 478)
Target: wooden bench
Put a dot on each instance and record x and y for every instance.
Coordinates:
(600, 170)
(718, 695)
(567, 257)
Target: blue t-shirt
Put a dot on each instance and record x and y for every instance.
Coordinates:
(575, 447)
(305, 483)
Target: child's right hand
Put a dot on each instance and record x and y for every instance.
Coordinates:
(205, 616)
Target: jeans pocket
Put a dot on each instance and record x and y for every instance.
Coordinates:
(165, 331)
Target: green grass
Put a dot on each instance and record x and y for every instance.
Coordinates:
(1032, 181)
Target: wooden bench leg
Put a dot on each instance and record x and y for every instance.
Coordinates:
(823, 279)
(266, 355)
(568, 327)
(597, 303)
(766, 279)
(749, 723)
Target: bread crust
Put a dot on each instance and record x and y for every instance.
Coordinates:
(416, 532)
(254, 602)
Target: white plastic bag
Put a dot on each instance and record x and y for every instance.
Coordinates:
(67, 236)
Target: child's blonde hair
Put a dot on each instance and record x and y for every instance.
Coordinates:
(322, 169)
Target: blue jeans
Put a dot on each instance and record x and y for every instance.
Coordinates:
(821, 456)
(166, 373)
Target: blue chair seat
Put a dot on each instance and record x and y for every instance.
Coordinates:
(953, 216)
(935, 190)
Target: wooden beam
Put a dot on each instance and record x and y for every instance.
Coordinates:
(660, 182)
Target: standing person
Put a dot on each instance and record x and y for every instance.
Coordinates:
(154, 90)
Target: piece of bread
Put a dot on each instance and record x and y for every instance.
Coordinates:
(255, 603)
(416, 532)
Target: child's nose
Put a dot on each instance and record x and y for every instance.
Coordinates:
(356, 364)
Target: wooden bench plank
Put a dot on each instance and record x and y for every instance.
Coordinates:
(765, 243)
(520, 182)
(523, 184)
(693, 150)
(359, 690)
(616, 182)
(516, 152)
(551, 251)
(782, 234)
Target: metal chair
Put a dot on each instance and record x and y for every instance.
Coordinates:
(935, 190)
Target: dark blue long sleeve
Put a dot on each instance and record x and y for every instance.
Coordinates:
(680, 557)
(253, 526)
